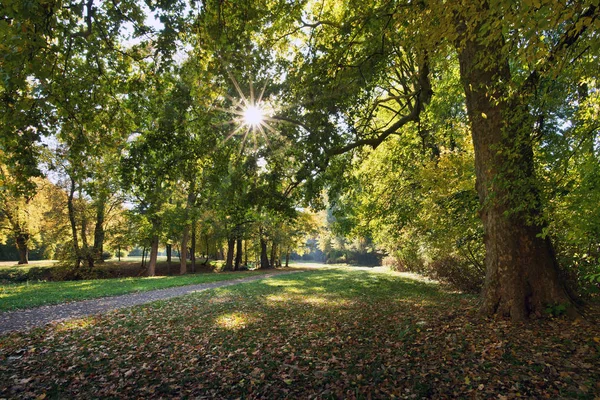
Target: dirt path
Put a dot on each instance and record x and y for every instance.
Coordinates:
(22, 320)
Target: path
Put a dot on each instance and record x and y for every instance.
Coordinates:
(22, 320)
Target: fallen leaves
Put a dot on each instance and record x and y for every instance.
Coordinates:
(398, 338)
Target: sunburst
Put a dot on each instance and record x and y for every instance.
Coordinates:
(252, 114)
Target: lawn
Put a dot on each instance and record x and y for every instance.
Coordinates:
(332, 333)
(33, 294)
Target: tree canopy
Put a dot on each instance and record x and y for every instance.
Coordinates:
(458, 139)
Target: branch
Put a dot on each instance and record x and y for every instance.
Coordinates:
(567, 40)
(291, 121)
(423, 96)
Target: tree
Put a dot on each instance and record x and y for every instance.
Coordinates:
(382, 85)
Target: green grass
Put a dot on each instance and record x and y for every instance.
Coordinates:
(327, 333)
(33, 294)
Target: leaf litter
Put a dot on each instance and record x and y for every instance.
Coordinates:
(289, 338)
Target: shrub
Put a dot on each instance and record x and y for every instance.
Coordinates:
(459, 274)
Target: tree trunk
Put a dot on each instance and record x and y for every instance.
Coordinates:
(73, 222)
(264, 258)
(246, 253)
(169, 251)
(99, 231)
(522, 276)
(153, 256)
(22, 240)
(183, 251)
(238, 255)
(230, 249)
(88, 253)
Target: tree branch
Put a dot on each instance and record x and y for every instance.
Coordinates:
(567, 40)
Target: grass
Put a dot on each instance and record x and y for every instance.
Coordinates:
(34, 294)
(13, 265)
(328, 333)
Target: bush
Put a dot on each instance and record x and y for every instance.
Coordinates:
(459, 274)
(106, 255)
(24, 275)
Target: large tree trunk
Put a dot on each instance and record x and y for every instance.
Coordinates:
(522, 276)
(238, 255)
(22, 240)
(183, 252)
(153, 256)
(264, 258)
(230, 249)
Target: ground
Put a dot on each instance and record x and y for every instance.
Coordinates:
(331, 333)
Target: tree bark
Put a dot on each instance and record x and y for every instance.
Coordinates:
(238, 255)
(22, 240)
(522, 276)
(246, 252)
(153, 256)
(73, 222)
(99, 231)
(264, 258)
(230, 250)
(183, 251)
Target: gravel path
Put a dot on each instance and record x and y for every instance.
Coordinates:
(22, 320)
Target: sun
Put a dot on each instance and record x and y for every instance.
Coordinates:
(253, 116)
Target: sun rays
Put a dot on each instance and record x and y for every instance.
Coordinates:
(251, 115)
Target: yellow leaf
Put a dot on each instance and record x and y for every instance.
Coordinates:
(467, 380)
(484, 115)
(597, 339)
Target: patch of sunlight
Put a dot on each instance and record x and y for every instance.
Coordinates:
(417, 302)
(413, 276)
(233, 321)
(277, 298)
(221, 299)
(73, 324)
(324, 301)
(294, 290)
(278, 283)
(316, 301)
